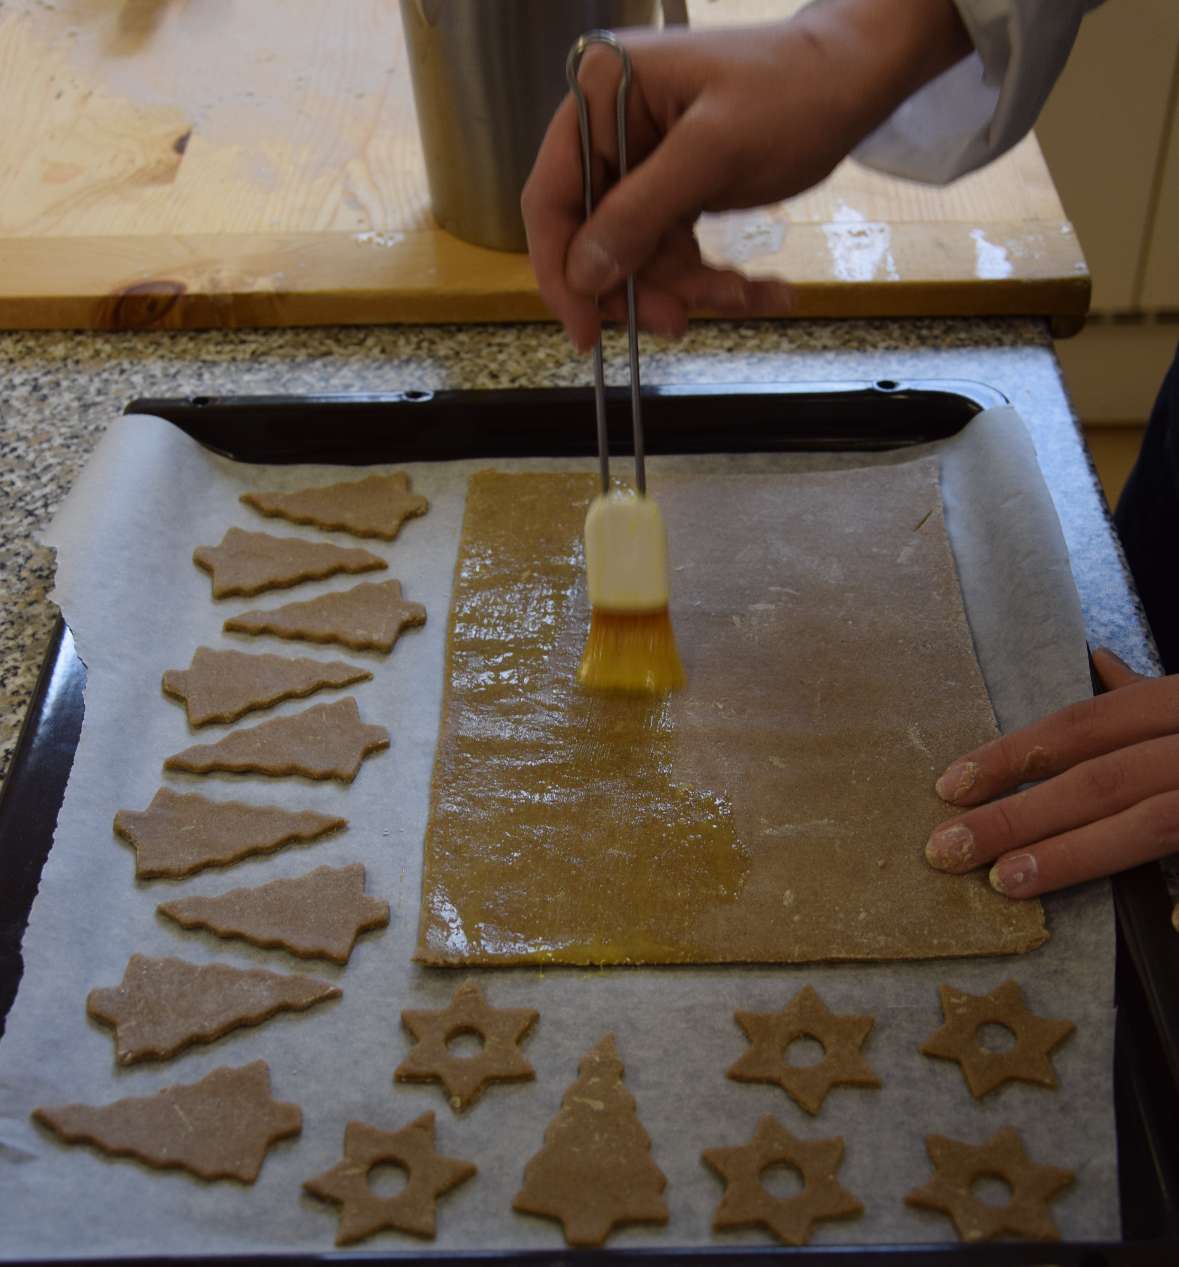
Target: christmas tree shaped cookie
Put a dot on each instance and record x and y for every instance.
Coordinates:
(375, 506)
(594, 1171)
(177, 835)
(248, 563)
(164, 1005)
(221, 686)
(368, 617)
(219, 1128)
(317, 915)
(328, 741)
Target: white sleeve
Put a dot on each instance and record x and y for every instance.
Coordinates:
(981, 107)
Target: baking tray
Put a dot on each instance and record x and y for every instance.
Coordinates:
(415, 425)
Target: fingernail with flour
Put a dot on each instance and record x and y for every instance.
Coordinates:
(951, 848)
(1014, 876)
(592, 269)
(957, 780)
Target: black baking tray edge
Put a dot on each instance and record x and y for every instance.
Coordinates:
(414, 425)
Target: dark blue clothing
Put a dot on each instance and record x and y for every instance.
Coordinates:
(1147, 519)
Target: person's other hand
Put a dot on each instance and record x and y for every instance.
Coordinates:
(1108, 796)
(718, 119)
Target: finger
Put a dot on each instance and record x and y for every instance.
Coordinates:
(553, 207)
(656, 310)
(1113, 671)
(1175, 917)
(1144, 710)
(1140, 834)
(671, 185)
(1086, 793)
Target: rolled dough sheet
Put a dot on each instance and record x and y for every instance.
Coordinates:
(773, 811)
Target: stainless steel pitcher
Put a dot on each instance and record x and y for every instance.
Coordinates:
(487, 76)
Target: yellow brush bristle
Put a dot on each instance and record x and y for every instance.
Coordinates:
(631, 651)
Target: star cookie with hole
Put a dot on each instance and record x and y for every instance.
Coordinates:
(747, 1203)
(805, 1016)
(1027, 1061)
(414, 1209)
(465, 1077)
(956, 1165)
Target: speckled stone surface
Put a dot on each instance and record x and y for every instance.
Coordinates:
(58, 392)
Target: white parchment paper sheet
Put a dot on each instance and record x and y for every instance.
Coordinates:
(137, 606)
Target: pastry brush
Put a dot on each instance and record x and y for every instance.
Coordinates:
(631, 645)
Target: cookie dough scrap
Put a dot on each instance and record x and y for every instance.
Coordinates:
(248, 563)
(806, 1016)
(179, 834)
(319, 915)
(221, 686)
(376, 506)
(328, 741)
(1027, 1060)
(369, 617)
(500, 1059)
(957, 1165)
(595, 1171)
(414, 1208)
(164, 1005)
(221, 1127)
(747, 1203)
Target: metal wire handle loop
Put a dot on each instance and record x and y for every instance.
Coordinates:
(572, 65)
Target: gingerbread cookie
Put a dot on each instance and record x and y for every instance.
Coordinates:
(219, 1128)
(248, 563)
(414, 1209)
(328, 741)
(771, 1033)
(221, 686)
(500, 1060)
(595, 1171)
(1026, 1061)
(746, 1203)
(375, 506)
(317, 915)
(164, 1005)
(177, 835)
(368, 617)
(957, 1165)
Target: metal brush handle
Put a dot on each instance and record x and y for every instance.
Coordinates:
(572, 65)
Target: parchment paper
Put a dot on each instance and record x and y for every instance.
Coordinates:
(138, 606)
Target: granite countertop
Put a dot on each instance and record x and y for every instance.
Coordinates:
(59, 391)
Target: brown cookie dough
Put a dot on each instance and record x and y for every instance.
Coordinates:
(957, 1165)
(1026, 1061)
(317, 915)
(178, 835)
(771, 1033)
(248, 563)
(414, 1209)
(328, 741)
(219, 1128)
(221, 686)
(464, 1078)
(164, 1005)
(368, 617)
(746, 1203)
(595, 1171)
(375, 506)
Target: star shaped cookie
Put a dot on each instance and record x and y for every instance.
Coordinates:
(1026, 1061)
(806, 1016)
(746, 1203)
(414, 1208)
(957, 1165)
(465, 1077)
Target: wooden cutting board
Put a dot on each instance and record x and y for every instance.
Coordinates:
(171, 164)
